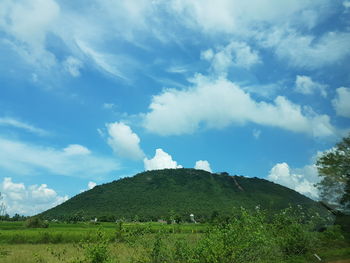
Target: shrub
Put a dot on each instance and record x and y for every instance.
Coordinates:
(246, 238)
(294, 231)
(36, 222)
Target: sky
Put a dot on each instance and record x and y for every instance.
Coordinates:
(92, 91)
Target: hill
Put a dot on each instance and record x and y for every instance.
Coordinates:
(158, 194)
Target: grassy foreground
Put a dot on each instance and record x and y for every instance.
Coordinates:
(288, 236)
(121, 252)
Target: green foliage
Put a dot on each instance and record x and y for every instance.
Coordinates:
(98, 252)
(246, 238)
(295, 231)
(174, 194)
(334, 168)
(36, 222)
(95, 250)
(250, 236)
(156, 255)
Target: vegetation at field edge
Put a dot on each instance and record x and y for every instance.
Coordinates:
(249, 236)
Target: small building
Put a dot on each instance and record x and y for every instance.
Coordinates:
(192, 218)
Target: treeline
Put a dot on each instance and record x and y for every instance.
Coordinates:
(16, 217)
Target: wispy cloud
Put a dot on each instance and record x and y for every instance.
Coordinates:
(74, 160)
(11, 122)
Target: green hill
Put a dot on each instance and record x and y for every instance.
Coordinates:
(156, 194)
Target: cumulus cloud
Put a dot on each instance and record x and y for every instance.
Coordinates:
(161, 160)
(28, 200)
(305, 85)
(341, 102)
(218, 103)
(237, 54)
(302, 180)
(203, 165)
(124, 141)
(75, 160)
(11, 122)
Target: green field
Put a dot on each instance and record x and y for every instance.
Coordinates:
(249, 236)
(61, 233)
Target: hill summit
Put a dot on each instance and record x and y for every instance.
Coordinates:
(157, 194)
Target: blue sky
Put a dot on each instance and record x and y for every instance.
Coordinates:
(92, 91)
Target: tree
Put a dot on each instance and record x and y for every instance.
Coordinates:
(2, 207)
(334, 168)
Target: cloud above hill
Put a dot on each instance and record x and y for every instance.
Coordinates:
(301, 180)
(203, 165)
(161, 160)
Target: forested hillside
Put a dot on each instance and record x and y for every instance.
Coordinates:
(177, 193)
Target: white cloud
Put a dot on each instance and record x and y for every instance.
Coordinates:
(161, 160)
(124, 141)
(301, 180)
(341, 102)
(346, 4)
(307, 51)
(237, 54)
(108, 106)
(73, 66)
(106, 62)
(307, 86)
(240, 17)
(27, 159)
(91, 185)
(28, 200)
(11, 122)
(76, 149)
(207, 54)
(218, 103)
(203, 165)
(28, 22)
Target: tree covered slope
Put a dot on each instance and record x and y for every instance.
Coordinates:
(157, 194)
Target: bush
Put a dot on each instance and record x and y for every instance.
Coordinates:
(246, 238)
(36, 222)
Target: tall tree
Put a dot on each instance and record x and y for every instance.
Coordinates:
(334, 168)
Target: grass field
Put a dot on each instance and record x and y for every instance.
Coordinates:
(16, 233)
(249, 239)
